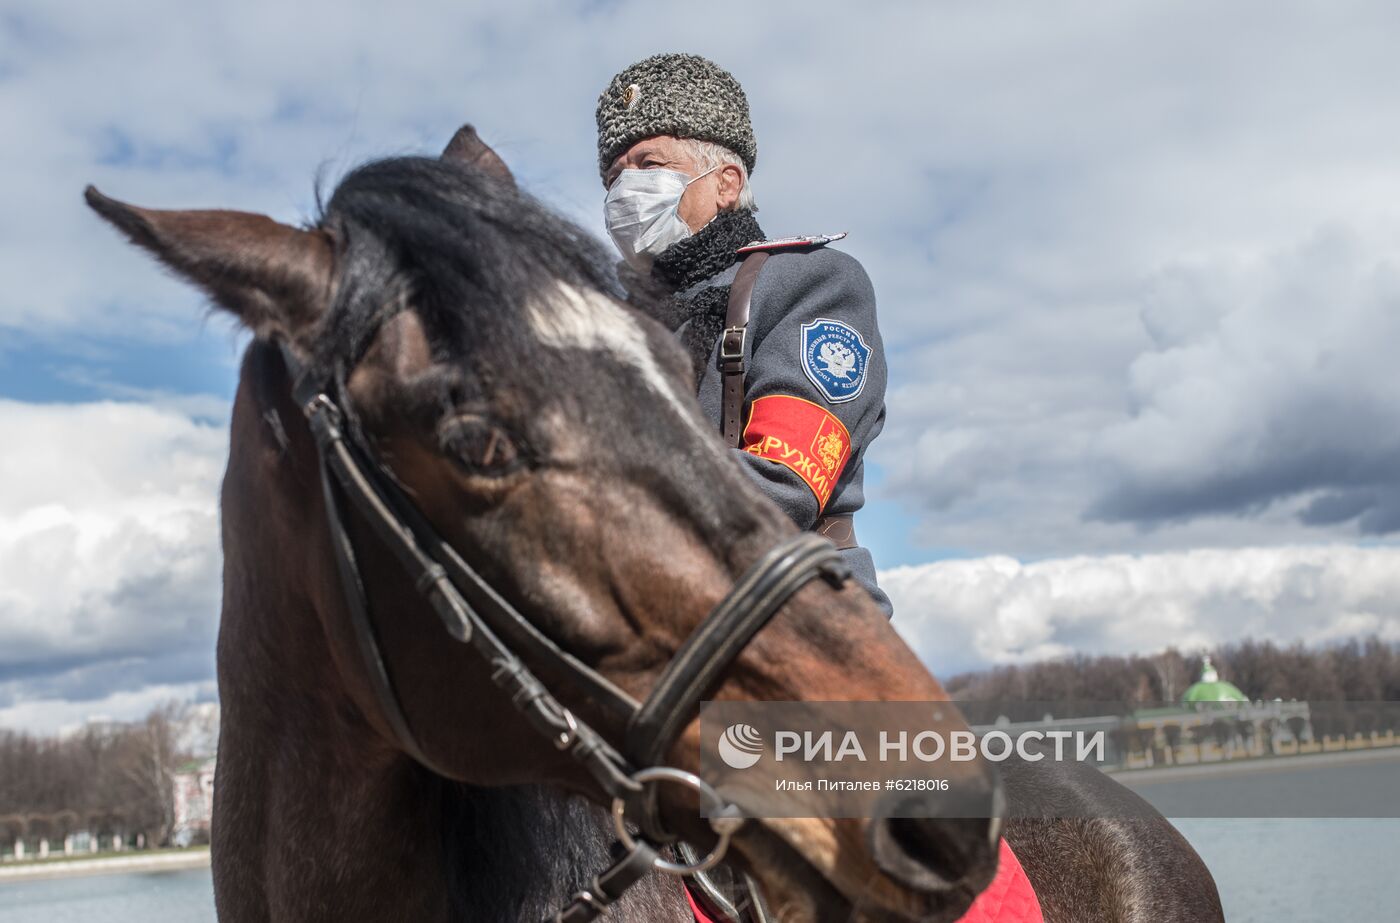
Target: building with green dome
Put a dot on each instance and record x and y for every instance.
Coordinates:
(1211, 689)
(1214, 722)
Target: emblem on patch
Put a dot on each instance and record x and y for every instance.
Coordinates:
(631, 96)
(835, 357)
(830, 448)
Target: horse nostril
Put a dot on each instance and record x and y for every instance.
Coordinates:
(931, 854)
(933, 842)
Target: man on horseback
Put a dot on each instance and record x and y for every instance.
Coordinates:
(789, 362)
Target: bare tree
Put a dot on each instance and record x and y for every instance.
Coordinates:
(146, 762)
(1170, 669)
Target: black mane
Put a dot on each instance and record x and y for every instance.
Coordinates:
(463, 246)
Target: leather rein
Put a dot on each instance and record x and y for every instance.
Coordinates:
(473, 613)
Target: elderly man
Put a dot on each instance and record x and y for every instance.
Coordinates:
(789, 359)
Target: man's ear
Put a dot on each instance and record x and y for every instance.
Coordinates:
(274, 277)
(467, 147)
(727, 189)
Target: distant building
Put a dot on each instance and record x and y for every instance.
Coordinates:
(194, 801)
(1214, 722)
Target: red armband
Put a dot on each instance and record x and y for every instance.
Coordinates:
(800, 436)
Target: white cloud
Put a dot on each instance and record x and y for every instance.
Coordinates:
(970, 614)
(109, 557)
(57, 715)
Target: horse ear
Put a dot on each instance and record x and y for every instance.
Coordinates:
(274, 277)
(467, 147)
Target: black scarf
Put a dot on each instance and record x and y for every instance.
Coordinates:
(685, 264)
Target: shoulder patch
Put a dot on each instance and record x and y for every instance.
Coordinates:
(835, 357)
(802, 437)
(789, 243)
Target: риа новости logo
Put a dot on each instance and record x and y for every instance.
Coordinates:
(740, 746)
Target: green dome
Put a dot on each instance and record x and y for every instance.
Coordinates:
(1214, 692)
(1212, 688)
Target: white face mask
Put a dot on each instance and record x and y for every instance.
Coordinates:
(642, 213)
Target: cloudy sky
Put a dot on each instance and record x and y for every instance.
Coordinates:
(1136, 269)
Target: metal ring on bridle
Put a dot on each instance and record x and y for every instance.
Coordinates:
(724, 825)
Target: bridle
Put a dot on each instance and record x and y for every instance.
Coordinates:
(475, 614)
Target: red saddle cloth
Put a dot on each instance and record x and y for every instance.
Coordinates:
(1008, 899)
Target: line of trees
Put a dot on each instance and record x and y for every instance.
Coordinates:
(1366, 670)
(110, 780)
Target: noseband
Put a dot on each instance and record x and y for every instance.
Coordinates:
(473, 613)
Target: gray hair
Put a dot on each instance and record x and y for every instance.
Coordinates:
(708, 155)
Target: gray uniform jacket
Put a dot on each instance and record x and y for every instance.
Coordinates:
(814, 351)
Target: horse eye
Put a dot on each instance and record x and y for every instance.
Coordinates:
(480, 446)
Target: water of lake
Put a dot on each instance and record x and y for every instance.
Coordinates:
(1268, 871)
(186, 896)
(1309, 870)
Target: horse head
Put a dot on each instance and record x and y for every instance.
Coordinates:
(547, 431)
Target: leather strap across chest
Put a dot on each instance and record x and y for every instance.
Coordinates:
(733, 343)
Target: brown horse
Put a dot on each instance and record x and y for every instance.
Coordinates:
(546, 430)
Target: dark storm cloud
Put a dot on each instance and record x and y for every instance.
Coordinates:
(1285, 396)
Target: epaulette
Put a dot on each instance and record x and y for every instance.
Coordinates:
(790, 243)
